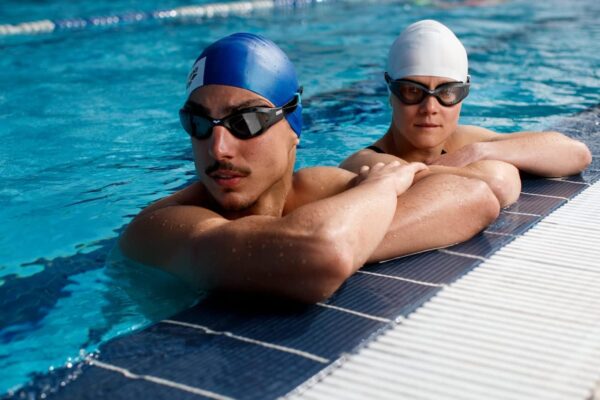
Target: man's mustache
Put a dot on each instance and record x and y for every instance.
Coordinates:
(226, 166)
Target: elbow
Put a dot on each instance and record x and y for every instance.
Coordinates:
(576, 154)
(583, 156)
(506, 185)
(332, 264)
(502, 178)
(579, 158)
(484, 200)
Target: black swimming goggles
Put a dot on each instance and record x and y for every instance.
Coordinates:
(244, 124)
(410, 92)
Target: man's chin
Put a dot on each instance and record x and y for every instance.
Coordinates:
(233, 203)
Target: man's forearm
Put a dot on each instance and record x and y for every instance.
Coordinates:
(438, 211)
(356, 219)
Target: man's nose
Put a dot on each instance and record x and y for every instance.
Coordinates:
(222, 143)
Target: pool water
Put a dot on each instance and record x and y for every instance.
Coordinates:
(90, 134)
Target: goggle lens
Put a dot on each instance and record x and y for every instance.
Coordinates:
(243, 125)
(410, 93)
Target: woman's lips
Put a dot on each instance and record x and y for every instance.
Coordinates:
(425, 125)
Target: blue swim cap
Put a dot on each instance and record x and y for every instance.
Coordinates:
(251, 62)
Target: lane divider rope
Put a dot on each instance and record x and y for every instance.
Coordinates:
(204, 11)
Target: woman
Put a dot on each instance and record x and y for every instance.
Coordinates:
(427, 75)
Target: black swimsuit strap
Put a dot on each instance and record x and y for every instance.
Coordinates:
(375, 149)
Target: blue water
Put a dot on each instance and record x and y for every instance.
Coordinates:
(90, 135)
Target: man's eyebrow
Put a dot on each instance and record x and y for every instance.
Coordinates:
(198, 107)
(249, 103)
(231, 109)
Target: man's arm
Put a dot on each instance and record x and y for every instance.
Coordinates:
(540, 153)
(501, 177)
(305, 255)
(438, 211)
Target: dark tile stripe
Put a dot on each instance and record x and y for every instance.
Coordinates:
(531, 204)
(381, 297)
(432, 266)
(552, 187)
(282, 324)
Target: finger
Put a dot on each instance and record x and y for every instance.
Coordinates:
(378, 166)
(417, 166)
(364, 171)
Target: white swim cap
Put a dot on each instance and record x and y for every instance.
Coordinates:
(428, 48)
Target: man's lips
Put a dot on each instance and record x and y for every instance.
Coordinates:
(225, 174)
(227, 178)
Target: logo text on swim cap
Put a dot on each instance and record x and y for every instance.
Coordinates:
(196, 76)
(191, 77)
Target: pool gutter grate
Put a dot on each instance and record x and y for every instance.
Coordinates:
(523, 324)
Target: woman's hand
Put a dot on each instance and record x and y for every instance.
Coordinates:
(462, 157)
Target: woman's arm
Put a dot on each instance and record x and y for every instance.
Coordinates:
(548, 154)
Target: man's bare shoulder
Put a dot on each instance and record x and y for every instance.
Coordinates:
(157, 232)
(192, 195)
(316, 183)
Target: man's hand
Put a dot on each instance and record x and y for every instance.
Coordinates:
(395, 174)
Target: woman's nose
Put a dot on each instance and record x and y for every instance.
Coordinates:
(429, 105)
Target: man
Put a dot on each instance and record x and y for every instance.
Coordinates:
(427, 75)
(252, 224)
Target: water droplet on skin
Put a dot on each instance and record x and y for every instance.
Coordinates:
(281, 254)
(233, 250)
(181, 225)
(303, 261)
